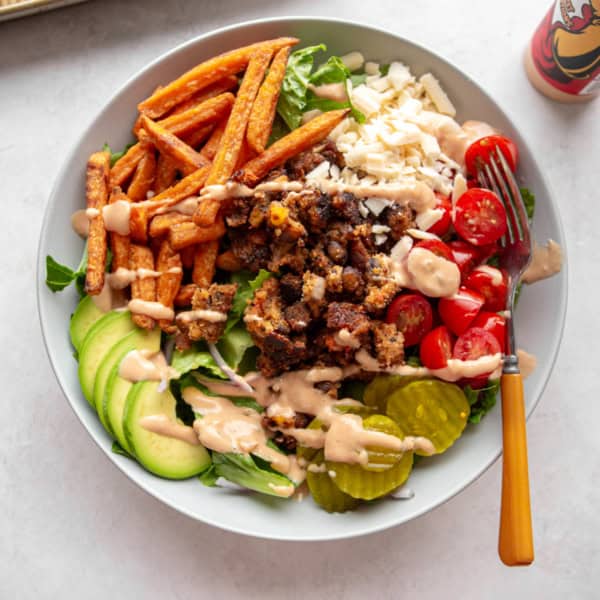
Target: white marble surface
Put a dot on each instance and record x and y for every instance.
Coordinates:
(72, 526)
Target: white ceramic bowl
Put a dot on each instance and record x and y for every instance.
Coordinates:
(540, 315)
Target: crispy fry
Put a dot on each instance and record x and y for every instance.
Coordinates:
(186, 158)
(205, 263)
(211, 147)
(223, 85)
(246, 155)
(168, 262)
(126, 165)
(203, 75)
(185, 234)
(293, 143)
(187, 256)
(138, 223)
(228, 261)
(161, 224)
(140, 257)
(185, 294)
(195, 138)
(96, 195)
(119, 244)
(226, 159)
(166, 171)
(143, 178)
(265, 105)
(233, 138)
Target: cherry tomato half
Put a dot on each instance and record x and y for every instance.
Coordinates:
(479, 217)
(465, 255)
(471, 345)
(412, 315)
(436, 348)
(492, 283)
(437, 247)
(441, 226)
(458, 311)
(478, 153)
(494, 323)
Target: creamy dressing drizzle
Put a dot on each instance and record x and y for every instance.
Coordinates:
(162, 425)
(330, 91)
(432, 275)
(145, 365)
(123, 277)
(495, 274)
(116, 217)
(155, 310)
(545, 262)
(109, 299)
(212, 316)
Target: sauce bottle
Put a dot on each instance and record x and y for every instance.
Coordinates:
(563, 58)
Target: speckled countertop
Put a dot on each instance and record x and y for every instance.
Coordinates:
(73, 526)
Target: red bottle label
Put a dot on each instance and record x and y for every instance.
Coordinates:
(566, 46)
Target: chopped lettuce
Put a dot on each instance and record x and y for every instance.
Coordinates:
(247, 284)
(209, 477)
(243, 470)
(482, 400)
(118, 449)
(59, 276)
(196, 358)
(296, 97)
(529, 201)
(115, 156)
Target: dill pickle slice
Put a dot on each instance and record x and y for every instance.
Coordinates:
(430, 408)
(362, 410)
(368, 483)
(305, 452)
(324, 492)
(378, 391)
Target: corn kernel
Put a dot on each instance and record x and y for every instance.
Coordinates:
(278, 214)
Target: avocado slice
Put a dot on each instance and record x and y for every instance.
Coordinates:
(85, 315)
(139, 339)
(103, 334)
(117, 389)
(164, 456)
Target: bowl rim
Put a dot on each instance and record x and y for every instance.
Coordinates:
(40, 283)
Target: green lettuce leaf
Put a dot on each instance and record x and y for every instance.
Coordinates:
(59, 276)
(279, 130)
(243, 470)
(482, 400)
(118, 449)
(115, 156)
(292, 100)
(209, 477)
(247, 285)
(196, 358)
(529, 201)
(331, 71)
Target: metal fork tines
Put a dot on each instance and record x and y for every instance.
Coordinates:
(497, 176)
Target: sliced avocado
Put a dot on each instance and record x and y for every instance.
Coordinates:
(101, 337)
(85, 315)
(139, 339)
(165, 456)
(117, 389)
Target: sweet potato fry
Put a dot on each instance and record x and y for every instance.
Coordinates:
(265, 105)
(138, 223)
(228, 261)
(293, 143)
(231, 143)
(186, 158)
(228, 155)
(126, 165)
(195, 138)
(246, 155)
(184, 295)
(212, 91)
(205, 263)
(140, 257)
(143, 179)
(186, 234)
(96, 195)
(211, 147)
(160, 224)
(203, 75)
(166, 171)
(168, 262)
(119, 244)
(187, 256)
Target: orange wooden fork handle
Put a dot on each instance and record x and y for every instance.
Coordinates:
(515, 544)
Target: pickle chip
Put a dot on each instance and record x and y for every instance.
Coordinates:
(432, 409)
(306, 452)
(324, 492)
(386, 470)
(378, 391)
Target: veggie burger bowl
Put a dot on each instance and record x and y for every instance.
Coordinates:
(290, 288)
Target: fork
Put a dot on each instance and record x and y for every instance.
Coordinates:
(515, 540)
